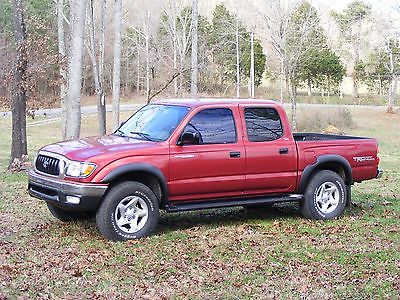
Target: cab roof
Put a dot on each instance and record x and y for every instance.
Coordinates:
(195, 102)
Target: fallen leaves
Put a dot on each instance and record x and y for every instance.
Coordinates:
(220, 254)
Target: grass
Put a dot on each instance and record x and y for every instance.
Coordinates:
(227, 253)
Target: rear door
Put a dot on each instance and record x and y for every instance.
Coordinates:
(215, 167)
(271, 157)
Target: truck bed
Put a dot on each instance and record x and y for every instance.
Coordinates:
(310, 136)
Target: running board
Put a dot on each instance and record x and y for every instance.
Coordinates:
(186, 206)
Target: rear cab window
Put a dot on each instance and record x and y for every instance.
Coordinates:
(263, 124)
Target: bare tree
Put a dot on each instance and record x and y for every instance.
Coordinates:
(252, 70)
(141, 40)
(183, 45)
(388, 41)
(18, 104)
(146, 32)
(98, 65)
(171, 14)
(277, 21)
(195, 65)
(291, 39)
(350, 23)
(237, 47)
(117, 62)
(393, 77)
(177, 24)
(72, 123)
(62, 54)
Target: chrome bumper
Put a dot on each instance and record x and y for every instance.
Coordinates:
(55, 190)
(379, 173)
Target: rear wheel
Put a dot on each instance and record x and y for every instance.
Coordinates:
(66, 216)
(325, 197)
(129, 211)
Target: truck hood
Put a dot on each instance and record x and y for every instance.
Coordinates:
(110, 145)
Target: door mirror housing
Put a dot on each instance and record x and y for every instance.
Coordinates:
(189, 138)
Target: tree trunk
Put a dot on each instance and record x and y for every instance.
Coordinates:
(73, 112)
(355, 87)
(195, 66)
(147, 42)
(117, 62)
(101, 97)
(18, 99)
(181, 66)
(354, 75)
(138, 66)
(62, 54)
(291, 90)
(175, 65)
(393, 81)
(282, 78)
(252, 71)
(97, 67)
(237, 60)
(309, 88)
(391, 95)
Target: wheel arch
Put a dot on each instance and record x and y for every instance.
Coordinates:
(332, 162)
(143, 173)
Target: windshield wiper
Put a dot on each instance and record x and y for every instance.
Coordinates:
(143, 135)
(121, 133)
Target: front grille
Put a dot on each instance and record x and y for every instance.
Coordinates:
(48, 165)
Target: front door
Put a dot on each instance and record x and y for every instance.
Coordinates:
(213, 167)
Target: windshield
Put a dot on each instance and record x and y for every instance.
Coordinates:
(153, 122)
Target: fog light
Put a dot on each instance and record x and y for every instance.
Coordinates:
(73, 199)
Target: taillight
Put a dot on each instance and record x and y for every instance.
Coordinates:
(377, 157)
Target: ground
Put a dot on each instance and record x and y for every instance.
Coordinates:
(227, 253)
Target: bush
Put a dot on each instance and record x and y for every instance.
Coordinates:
(324, 120)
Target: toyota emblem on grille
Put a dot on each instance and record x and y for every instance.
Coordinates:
(46, 163)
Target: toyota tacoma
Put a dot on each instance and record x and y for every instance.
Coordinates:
(190, 154)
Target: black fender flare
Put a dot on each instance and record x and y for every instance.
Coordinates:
(328, 158)
(139, 167)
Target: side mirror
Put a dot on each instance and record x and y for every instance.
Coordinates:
(189, 138)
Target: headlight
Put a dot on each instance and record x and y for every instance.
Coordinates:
(79, 169)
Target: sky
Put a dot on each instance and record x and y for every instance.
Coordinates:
(340, 4)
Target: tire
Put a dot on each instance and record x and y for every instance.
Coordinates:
(129, 211)
(325, 197)
(66, 216)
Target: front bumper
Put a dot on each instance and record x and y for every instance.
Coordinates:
(55, 191)
(379, 173)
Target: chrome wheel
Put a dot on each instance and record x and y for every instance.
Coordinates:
(131, 214)
(327, 197)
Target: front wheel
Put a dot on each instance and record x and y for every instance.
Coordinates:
(325, 197)
(129, 211)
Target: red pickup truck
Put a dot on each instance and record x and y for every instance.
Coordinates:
(180, 155)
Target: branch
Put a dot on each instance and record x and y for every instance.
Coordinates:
(63, 15)
(175, 75)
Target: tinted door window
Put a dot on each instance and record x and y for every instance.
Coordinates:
(215, 126)
(263, 124)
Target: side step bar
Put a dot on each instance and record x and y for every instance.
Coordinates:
(187, 206)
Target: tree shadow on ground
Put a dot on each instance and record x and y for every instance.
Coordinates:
(225, 217)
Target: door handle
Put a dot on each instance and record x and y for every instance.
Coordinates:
(283, 151)
(234, 154)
